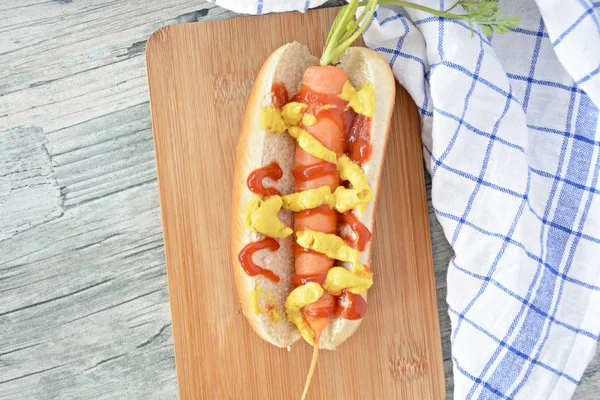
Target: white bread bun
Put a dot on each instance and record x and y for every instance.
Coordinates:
(263, 300)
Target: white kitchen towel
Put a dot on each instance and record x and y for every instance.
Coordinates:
(511, 135)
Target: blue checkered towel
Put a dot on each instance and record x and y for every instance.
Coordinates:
(511, 135)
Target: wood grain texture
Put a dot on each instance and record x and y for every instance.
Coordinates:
(198, 102)
(79, 205)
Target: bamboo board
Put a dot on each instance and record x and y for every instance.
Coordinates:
(199, 84)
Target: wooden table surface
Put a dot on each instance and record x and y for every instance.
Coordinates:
(84, 307)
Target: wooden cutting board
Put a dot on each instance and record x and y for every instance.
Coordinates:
(200, 76)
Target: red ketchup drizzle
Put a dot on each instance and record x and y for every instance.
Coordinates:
(322, 312)
(299, 280)
(255, 179)
(323, 210)
(299, 250)
(351, 306)
(358, 140)
(307, 173)
(363, 235)
(316, 102)
(245, 258)
(279, 95)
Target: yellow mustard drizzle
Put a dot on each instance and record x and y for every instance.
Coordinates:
(357, 281)
(329, 244)
(271, 307)
(309, 120)
(261, 216)
(311, 145)
(271, 120)
(342, 200)
(274, 315)
(309, 199)
(361, 101)
(293, 113)
(271, 304)
(361, 193)
(347, 199)
(349, 171)
(254, 300)
(298, 299)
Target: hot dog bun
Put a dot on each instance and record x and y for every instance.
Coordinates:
(263, 300)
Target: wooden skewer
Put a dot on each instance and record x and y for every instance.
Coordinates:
(311, 371)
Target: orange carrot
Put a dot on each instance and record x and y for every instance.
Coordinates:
(325, 80)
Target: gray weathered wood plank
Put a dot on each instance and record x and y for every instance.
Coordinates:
(84, 310)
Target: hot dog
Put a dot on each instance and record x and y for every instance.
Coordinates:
(305, 186)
